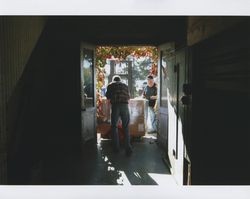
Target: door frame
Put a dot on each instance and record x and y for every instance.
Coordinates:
(176, 151)
(88, 113)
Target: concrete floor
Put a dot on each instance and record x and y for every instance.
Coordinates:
(99, 165)
(109, 168)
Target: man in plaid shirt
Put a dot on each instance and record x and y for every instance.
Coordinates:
(118, 95)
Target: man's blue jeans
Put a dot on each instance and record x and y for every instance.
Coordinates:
(152, 119)
(120, 111)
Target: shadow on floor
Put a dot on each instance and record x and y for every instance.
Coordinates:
(104, 167)
(99, 165)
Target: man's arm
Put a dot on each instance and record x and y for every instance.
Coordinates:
(108, 94)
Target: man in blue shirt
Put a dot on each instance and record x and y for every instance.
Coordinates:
(150, 93)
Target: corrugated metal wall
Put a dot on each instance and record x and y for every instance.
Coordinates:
(18, 37)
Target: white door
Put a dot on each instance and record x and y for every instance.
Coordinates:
(88, 97)
(172, 74)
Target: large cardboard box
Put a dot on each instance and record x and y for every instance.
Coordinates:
(104, 129)
(105, 111)
(138, 118)
(138, 108)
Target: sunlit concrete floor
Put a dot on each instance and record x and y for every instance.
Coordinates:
(144, 167)
(99, 165)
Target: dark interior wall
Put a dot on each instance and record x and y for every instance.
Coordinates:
(122, 30)
(44, 118)
(18, 37)
(220, 136)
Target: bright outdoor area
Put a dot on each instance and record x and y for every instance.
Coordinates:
(133, 64)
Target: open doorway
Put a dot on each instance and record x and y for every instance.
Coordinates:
(145, 166)
(133, 64)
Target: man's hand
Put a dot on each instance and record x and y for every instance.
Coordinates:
(153, 97)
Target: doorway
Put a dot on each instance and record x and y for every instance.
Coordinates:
(88, 97)
(133, 64)
(171, 64)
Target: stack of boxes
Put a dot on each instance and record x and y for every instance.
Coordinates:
(138, 119)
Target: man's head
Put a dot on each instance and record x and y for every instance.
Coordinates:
(116, 78)
(150, 79)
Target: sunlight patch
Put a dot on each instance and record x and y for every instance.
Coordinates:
(137, 174)
(150, 136)
(105, 159)
(163, 179)
(111, 168)
(123, 180)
